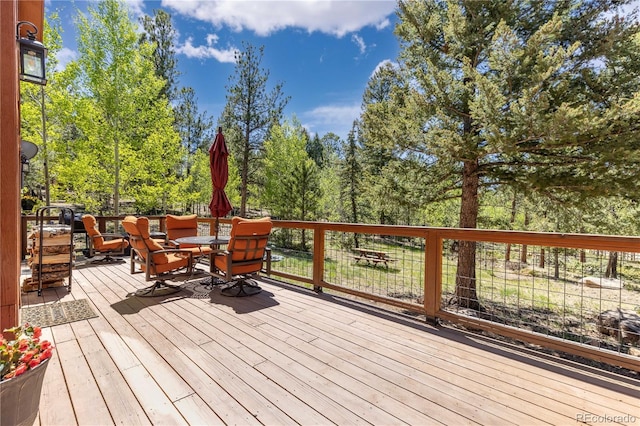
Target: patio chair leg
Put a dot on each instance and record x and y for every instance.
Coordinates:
(159, 288)
(241, 287)
(107, 259)
(213, 283)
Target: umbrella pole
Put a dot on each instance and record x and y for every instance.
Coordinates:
(216, 228)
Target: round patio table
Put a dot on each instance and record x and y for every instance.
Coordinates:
(203, 240)
(206, 240)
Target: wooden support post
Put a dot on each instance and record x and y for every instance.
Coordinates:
(318, 259)
(432, 274)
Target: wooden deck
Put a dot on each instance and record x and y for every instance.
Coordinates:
(288, 356)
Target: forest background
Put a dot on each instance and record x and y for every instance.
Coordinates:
(502, 115)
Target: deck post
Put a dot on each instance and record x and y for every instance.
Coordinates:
(432, 274)
(318, 258)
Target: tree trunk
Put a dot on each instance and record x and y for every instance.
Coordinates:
(507, 254)
(45, 153)
(244, 178)
(612, 265)
(303, 240)
(523, 254)
(556, 261)
(116, 189)
(541, 263)
(303, 237)
(354, 214)
(466, 295)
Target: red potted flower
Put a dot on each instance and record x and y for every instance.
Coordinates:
(23, 362)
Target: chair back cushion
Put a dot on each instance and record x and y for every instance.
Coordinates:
(138, 229)
(89, 223)
(249, 238)
(182, 226)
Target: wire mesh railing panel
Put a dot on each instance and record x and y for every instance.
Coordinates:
(386, 266)
(292, 251)
(585, 296)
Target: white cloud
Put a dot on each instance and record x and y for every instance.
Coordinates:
(207, 51)
(383, 24)
(331, 118)
(136, 7)
(64, 56)
(360, 43)
(627, 9)
(336, 17)
(381, 64)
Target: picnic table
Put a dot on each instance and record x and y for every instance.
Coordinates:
(372, 257)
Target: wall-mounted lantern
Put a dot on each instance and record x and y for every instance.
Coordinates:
(32, 55)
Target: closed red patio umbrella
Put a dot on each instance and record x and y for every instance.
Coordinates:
(219, 166)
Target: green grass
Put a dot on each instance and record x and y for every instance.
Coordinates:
(523, 295)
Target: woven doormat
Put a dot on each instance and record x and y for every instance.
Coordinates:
(58, 313)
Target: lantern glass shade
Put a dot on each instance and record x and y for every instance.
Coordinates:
(32, 55)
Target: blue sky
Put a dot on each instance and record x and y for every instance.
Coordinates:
(323, 51)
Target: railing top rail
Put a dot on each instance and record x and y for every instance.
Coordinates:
(552, 239)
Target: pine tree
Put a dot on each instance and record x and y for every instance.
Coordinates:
(350, 178)
(250, 113)
(315, 149)
(538, 96)
(160, 32)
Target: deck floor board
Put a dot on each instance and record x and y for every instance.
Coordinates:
(290, 356)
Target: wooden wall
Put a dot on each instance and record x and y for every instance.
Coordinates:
(11, 11)
(9, 166)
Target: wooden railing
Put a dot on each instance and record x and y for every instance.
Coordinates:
(424, 259)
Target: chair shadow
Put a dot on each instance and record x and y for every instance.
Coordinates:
(198, 288)
(94, 263)
(133, 304)
(191, 288)
(244, 304)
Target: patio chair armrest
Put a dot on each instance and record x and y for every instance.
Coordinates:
(102, 238)
(266, 260)
(149, 259)
(186, 252)
(174, 250)
(110, 236)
